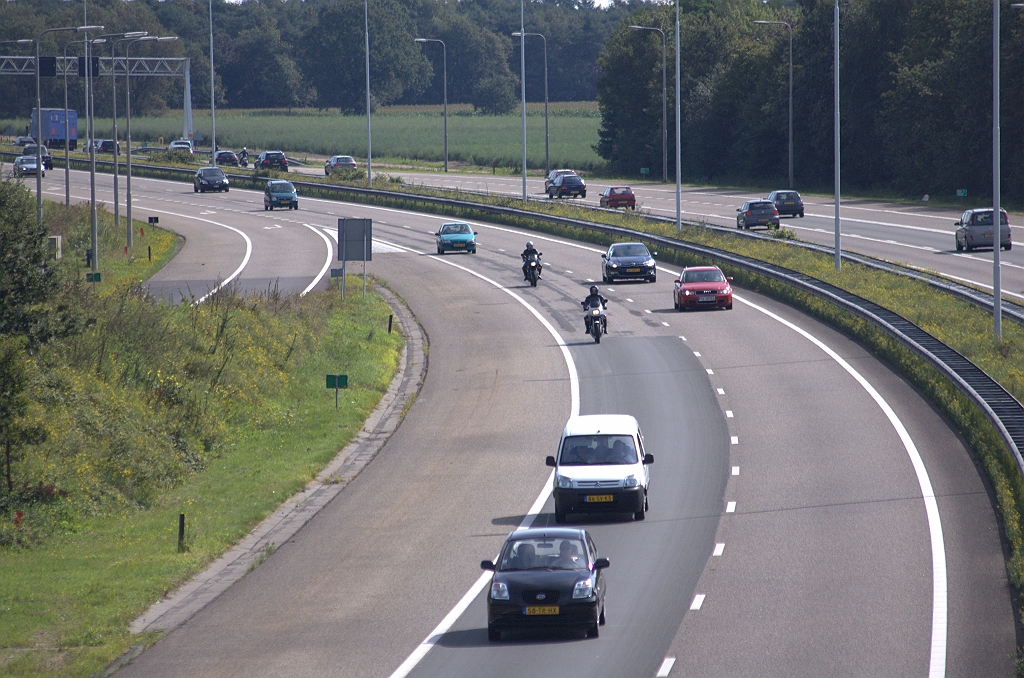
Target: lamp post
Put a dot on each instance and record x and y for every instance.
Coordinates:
(783, 23)
(39, 120)
(369, 128)
(128, 116)
(444, 60)
(522, 80)
(113, 89)
(679, 135)
(213, 97)
(67, 126)
(835, 132)
(547, 153)
(664, 101)
(997, 215)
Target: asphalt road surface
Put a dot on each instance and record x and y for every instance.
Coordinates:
(789, 531)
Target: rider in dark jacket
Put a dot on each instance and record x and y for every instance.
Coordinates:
(594, 299)
(530, 249)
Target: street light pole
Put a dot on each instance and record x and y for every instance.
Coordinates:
(835, 133)
(67, 128)
(369, 128)
(128, 116)
(39, 125)
(213, 97)
(444, 60)
(679, 137)
(997, 215)
(664, 102)
(783, 23)
(547, 149)
(91, 122)
(522, 80)
(113, 89)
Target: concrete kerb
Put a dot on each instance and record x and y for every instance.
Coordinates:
(178, 607)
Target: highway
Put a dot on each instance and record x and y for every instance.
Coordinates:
(792, 529)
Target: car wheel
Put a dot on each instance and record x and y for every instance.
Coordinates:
(959, 247)
(967, 246)
(493, 634)
(1009, 245)
(653, 279)
(801, 215)
(226, 190)
(439, 250)
(728, 307)
(593, 631)
(601, 620)
(640, 515)
(559, 517)
(583, 194)
(738, 225)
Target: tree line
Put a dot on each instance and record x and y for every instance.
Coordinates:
(915, 95)
(310, 53)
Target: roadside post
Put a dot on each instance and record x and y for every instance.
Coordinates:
(645, 171)
(337, 382)
(181, 533)
(961, 193)
(355, 243)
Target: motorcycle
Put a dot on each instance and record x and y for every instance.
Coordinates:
(597, 321)
(533, 269)
(243, 161)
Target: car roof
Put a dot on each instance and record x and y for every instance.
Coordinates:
(702, 268)
(589, 424)
(549, 532)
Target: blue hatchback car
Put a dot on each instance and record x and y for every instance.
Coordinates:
(280, 194)
(456, 236)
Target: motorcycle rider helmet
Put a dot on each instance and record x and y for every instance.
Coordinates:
(529, 244)
(593, 289)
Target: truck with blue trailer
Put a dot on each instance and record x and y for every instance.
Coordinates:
(52, 133)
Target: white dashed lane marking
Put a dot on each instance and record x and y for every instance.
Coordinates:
(696, 353)
(735, 440)
(721, 391)
(711, 371)
(735, 470)
(664, 323)
(666, 667)
(730, 507)
(728, 414)
(719, 549)
(698, 600)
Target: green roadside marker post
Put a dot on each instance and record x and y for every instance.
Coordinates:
(645, 171)
(337, 381)
(93, 278)
(961, 193)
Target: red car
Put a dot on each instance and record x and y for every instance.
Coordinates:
(618, 196)
(702, 287)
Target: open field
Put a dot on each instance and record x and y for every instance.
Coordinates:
(411, 132)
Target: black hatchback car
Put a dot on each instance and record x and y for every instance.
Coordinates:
(787, 202)
(757, 213)
(567, 185)
(628, 260)
(544, 579)
(210, 179)
(272, 160)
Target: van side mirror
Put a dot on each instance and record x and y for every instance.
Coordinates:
(601, 563)
(475, 233)
(550, 461)
(604, 256)
(729, 278)
(958, 224)
(648, 458)
(438, 233)
(486, 565)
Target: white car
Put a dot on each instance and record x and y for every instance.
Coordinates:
(601, 467)
(181, 145)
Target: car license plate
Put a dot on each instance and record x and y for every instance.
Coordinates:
(541, 609)
(286, 202)
(789, 202)
(460, 244)
(632, 270)
(706, 297)
(598, 498)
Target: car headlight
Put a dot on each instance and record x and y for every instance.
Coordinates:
(563, 482)
(687, 293)
(615, 265)
(499, 591)
(649, 262)
(584, 588)
(629, 481)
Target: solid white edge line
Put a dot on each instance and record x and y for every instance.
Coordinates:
(937, 659)
(327, 264)
(574, 396)
(665, 668)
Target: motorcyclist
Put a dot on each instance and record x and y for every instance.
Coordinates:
(593, 299)
(243, 157)
(530, 250)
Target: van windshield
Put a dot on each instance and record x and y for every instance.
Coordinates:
(599, 449)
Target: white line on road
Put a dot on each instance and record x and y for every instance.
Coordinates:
(629, 300)
(665, 668)
(735, 440)
(735, 470)
(728, 414)
(696, 353)
(730, 507)
(721, 391)
(698, 600)
(664, 323)
(719, 549)
(327, 264)
(711, 371)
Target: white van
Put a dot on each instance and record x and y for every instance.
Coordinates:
(601, 467)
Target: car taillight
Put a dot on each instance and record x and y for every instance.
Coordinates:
(775, 211)
(750, 213)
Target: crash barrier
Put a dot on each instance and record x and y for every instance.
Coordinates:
(1001, 409)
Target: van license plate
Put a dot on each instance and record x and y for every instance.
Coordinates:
(632, 270)
(598, 498)
(460, 244)
(541, 609)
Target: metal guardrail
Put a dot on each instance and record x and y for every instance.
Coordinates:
(1000, 407)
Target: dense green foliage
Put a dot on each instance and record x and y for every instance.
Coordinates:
(283, 54)
(915, 94)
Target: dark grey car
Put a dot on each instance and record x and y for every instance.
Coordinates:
(787, 202)
(757, 213)
(975, 230)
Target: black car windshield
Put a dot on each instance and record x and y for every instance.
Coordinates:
(629, 251)
(571, 179)
(281, 187)
(985, 218)
(212, 173)
(542, 553)
(786, 196)
(452, 229)
(761, 206)
(274, 155)
(598, 450)
(702, 277)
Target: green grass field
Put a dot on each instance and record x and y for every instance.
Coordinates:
(409, 132)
